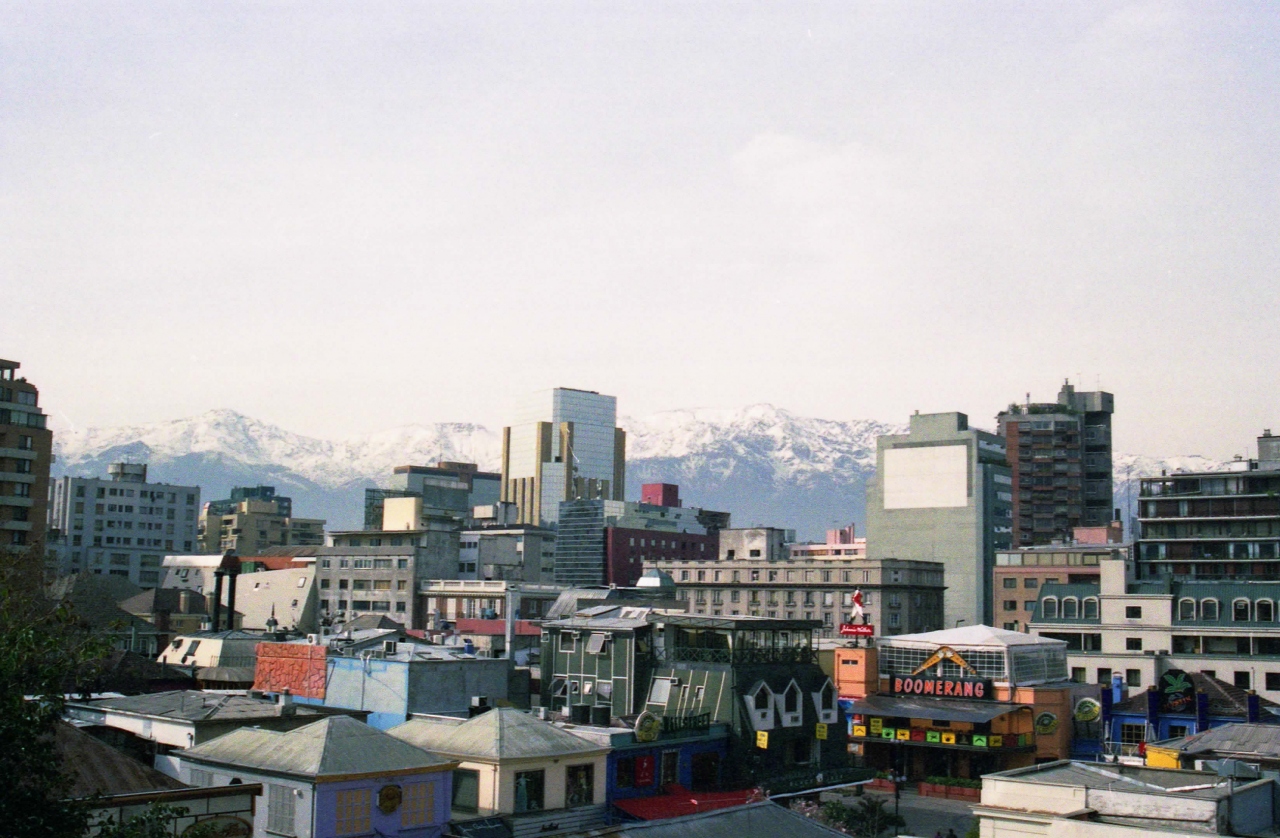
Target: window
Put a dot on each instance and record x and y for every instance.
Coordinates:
(1273, 681)
(1078, 674)
(1133, 677)
(280, 802)
(1186, 609)
(660, 691)
(1010, 605)
(1011, 626)
(466, 789)
(1070, 608)
(1133, 612)
(1010, 582)
(1049, 608)
(1133, 644)
(579, 785)
(1104, 676)
(416, 803)
(529, 790)
(1091, 609)
(354, 807)
(1264, 611)
(1240, 611)
(1133, 734)
(566, 641)
(1209, 609)
(1241, 679)
(598, 644)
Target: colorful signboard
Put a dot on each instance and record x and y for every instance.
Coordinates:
(943, 687)
(1177, 693)
(762, 739)
(820, 732)
(1087, 710)
(857, 630)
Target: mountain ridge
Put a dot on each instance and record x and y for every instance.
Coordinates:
(764, 464)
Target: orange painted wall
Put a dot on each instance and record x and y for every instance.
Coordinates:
(298, 667)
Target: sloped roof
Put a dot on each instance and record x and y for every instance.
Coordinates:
(197, 706)
(1233, 740)
(98, 768)
(1224, 699)
(93, 600)
(973, 637)
(501, 733)
(165, 599)
(336, 745)
(753, 819)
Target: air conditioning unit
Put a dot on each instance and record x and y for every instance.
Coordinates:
(313, 639)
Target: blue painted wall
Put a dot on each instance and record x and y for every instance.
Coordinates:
(440, 785)
(687, 750)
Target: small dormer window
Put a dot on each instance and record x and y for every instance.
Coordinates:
(761, 699)
(791, 699)
(827, 697)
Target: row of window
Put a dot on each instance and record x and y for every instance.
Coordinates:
(530, 789)
(367, 564)
(366, 605)
(367, 584)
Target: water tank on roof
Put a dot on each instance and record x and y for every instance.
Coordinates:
(580, 714)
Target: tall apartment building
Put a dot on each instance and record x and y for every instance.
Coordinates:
(563, 445)
(1059, 457)
(284, 505)
(252, 525)
(26, 452)
(943, 492)
(1213, 525)
(447, 488)
(609, 542)
(123, 526)
(755, 575)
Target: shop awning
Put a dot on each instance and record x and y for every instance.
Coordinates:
(680, 801)
(937, 709)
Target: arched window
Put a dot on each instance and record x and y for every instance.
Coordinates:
(761, 698)
(1186, 609)
(1240, 611)
(1070, 608)
(1208, 609)
(1049, 608)
(1091, 608)
(1264, 611)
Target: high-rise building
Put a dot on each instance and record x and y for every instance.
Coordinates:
(253, 524)
(284, 505)
(942, 492)
(447, 488)
(26, 450)
(1059, 456)
(123, 526)
(1213, 525)
(563, 445)
(609, 542)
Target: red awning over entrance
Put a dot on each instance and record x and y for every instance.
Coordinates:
(680, 801)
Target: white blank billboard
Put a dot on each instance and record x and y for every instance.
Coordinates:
(926, 478)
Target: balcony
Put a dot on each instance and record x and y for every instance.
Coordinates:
(684, 654)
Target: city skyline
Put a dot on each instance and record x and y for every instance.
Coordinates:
(851, 212)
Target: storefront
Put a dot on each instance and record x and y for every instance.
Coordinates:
(956, 703)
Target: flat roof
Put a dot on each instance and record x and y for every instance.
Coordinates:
(1205, 785)
(739, 622)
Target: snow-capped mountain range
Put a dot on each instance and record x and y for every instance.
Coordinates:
(764, 464)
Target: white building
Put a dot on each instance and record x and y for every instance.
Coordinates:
(1092, 800)
(123, 526)
(563, 445)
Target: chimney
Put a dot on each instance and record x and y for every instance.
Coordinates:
(285, 702)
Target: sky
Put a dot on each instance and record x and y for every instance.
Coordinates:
(341, 218)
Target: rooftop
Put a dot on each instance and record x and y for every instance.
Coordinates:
(500, 733)
(98, 768)
(197, 706)
(1134, 778)
(1239, 740)
(1224, 699)
(971, 637)
(338, 745)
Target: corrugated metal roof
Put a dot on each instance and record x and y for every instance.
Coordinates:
(941, 709)
(1224, 699)
(98, 768)
(740, 821)
(1234, 739)
(337, 745)
(970, 637)
(501, 733)
(195, 706)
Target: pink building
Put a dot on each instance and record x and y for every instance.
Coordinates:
(841, 543)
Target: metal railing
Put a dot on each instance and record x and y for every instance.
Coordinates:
(683, 654)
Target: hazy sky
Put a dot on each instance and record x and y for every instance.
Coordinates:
(344, 217)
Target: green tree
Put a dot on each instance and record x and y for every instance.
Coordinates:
(41, 647)
(870, 818)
